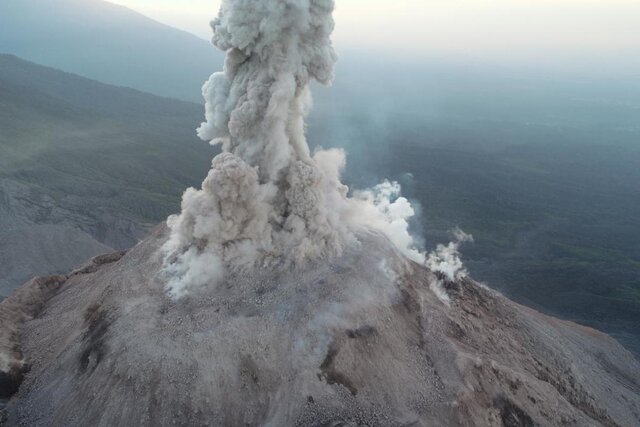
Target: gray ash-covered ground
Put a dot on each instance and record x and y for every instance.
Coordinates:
(360, 340)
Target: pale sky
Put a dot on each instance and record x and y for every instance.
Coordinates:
(516, 29)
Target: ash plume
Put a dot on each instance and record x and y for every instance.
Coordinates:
(267, 200)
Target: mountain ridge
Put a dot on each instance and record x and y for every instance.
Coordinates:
(109, 43)
(68, 147)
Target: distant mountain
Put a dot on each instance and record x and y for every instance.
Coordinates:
(85, 167)
(109, 43)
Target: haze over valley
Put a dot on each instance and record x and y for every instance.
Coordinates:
(85, 168)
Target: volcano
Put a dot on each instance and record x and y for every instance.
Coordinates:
(359, 341)
(280, 297)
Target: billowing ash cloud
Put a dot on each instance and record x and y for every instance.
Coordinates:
(268, 201)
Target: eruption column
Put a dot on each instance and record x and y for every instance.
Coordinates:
(267, 201)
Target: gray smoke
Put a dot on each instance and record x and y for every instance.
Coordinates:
(267, 201)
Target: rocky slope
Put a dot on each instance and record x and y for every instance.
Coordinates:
(85, 168)
(361, 340)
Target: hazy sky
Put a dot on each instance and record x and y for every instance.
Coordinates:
(530, 30)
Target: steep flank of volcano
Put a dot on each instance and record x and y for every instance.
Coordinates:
(358, 341)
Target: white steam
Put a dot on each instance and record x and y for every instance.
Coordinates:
(267, 202)
(383, 208)
(446, 263)
(446, 259)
